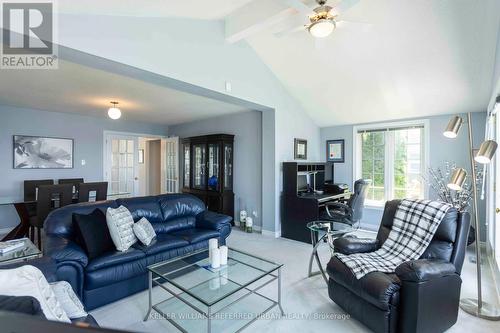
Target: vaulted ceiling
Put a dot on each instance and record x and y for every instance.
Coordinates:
(397, 59)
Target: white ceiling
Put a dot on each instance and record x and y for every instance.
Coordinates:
(78, 89)
(197, 9)
(417, 58)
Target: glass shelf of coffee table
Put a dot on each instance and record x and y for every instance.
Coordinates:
(214, 294)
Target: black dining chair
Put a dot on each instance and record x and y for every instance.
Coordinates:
(49, 198)
(75, 182)
(30, 196)
(100, 189)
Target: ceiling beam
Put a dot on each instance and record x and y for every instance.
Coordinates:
(256, 16)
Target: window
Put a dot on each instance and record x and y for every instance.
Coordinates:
(393, 158)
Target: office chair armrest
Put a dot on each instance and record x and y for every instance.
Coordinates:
(351, 245)
(345, 209)
(424, 270)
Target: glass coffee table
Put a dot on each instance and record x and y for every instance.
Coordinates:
(24, 253)
(321, 231)
(228, 299)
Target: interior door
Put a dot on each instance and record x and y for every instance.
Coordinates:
(121, 165)
(170, 165)
(494, 228)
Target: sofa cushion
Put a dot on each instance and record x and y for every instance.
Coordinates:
(114, 274)
(114, 259)
(180, 205)
(379, 289)
(175, 224)
(163, 242)
(147, 207)
(21, 304)
(196, 235)
(92, 233)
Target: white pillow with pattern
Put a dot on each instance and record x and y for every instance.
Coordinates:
(70, 303)
(120, 224)
(144, 231)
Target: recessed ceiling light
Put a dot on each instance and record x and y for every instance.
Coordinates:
(114, 112)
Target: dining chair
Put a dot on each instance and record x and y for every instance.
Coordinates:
(49, 198)
(100, 188)
(75, 182)
(30, 196)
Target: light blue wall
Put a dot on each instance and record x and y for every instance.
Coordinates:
(196, 52)
(441, 150)
(247, 128)
(87, 133)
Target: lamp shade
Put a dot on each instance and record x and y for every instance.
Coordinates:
(457, 179)
(453, 127)
(486, 152)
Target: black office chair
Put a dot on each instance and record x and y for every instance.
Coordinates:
(49, 198)
(352, 211)
(100, 189)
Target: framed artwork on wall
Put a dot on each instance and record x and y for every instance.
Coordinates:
(38, 152)
(335, 151)
(300, 149)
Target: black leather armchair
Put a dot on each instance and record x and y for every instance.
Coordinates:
(420, 296)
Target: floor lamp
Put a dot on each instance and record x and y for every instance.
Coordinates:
(475, 307)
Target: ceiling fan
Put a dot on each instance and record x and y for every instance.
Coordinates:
(322, 19)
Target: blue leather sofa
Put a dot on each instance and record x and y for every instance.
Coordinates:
(181, 223)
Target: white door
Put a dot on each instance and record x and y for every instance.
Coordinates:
(170, 165)
(120, 165)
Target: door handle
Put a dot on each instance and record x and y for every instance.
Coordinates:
(497, 210)
(136, 178)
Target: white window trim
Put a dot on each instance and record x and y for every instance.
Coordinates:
(356, 154)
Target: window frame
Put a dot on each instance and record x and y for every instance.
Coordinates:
(389, 149)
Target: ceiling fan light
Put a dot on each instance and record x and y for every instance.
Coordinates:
(322, 28)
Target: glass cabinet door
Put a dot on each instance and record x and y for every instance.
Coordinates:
(213, 166)
(187, 166)
(228, 166)
(199, 158)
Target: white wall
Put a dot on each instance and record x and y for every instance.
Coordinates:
(247, 167)
(195, 51)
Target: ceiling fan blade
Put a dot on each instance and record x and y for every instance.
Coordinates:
(299, 6)
(290, 31)
(344, 6)
(363, 26)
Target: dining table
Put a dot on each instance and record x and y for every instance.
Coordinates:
(21, 207)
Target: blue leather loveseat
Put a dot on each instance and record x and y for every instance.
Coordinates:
(181, 223)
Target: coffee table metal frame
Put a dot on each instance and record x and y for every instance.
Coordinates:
(159, 280)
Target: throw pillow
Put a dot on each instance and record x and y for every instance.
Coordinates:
(29, 281)
(68, 299)
(92, 233)
(144, 231)
(120, 224)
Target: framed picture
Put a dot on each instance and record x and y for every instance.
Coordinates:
(300, 150)
(141, 156)
(335, 151)
(37, 152)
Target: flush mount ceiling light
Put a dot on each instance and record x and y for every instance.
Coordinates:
(114, 112)
(322, 22)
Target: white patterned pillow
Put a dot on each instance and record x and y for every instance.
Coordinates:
(120, 224)
(144, 231)
(68, 299)
(29, 281)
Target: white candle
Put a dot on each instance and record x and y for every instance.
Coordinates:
(223, 255)
(215, 262)
(249, 222)
(213, 243)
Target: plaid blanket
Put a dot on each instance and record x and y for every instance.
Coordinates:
(415, 223)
